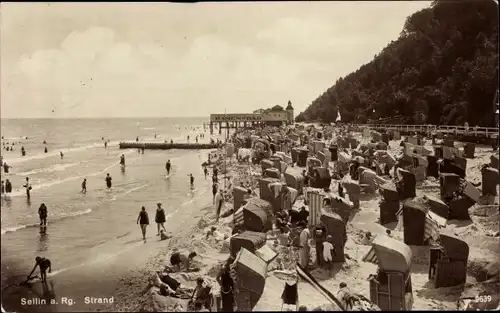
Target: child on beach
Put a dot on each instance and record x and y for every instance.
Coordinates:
(328, 253)
(44, 264)
(143, 220)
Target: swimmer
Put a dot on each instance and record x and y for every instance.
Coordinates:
(28, 187)
(108, 181)
(42, 213)
(23, 151)
(44, 264)
(8, 187)
(122, 160)
(46, 150)
(105, 144)
(84, 185)
(191, 180)
(168, 166)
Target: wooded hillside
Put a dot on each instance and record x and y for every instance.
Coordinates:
(444, 66)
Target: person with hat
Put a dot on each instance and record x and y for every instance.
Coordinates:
(44, 264)
(160, 218)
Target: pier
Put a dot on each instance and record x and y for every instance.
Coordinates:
(166, 146)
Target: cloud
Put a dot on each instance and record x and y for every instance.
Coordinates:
(115, 71)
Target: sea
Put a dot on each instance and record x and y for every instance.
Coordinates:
(88, 228)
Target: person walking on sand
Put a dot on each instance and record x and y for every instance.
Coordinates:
(218, 204)
(143, 221)
(160, 218)
(42, 213)
(84, 185)
(28, 188)
(108, 181)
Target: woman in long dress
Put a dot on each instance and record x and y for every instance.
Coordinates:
(305, 235)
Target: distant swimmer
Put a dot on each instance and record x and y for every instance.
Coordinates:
(171, 141)
(108, 181)
(196, 139)
(44, 265)
(155, 135)
(46, 150)
(61, 154)
(6, 168)
(8, 187)
(28, 188)
(188, 138)
(84, 185)
(42, 213)
(23, 151)
(168, 166)
(44, 142)
(122, 160)
(105, 144)
(137, 139)
(143, 221)
(191, 180)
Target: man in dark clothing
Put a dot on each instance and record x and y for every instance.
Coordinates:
(8, 187)
(143, 221)
(191, 180)
(44, 264)
(108, 181)
(42, 213)
(303, 214)
(84, 185)
(205, 171)
(6, 168)
(122, 160)
(341, 190)
(226, 286)
(294, 216)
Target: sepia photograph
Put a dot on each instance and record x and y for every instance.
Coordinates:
(249, 156)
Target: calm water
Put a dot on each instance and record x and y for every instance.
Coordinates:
(83, 228)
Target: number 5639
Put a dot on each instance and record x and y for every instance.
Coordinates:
(483, 298)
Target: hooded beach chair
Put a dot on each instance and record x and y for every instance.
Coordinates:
(290, 295)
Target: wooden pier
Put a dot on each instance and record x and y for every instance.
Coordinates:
(166, 146)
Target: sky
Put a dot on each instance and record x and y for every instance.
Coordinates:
(179, 60)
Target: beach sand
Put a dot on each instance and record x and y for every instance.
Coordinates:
(133, 294)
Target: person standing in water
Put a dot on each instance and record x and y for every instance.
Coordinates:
(143, 221)
(23, 151)
(84, 185)
(108, 181)
(8, 187)
(191, 180)
(168, 166)
(6, 167)
(122, 160)
(46, 150)
(205, 171)
(160, 218)
(61, 154)
(105, 144)
(42, 213)
(28, 188)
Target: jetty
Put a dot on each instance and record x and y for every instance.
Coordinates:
(166, 145)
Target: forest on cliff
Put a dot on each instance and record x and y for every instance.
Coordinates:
(443, 69)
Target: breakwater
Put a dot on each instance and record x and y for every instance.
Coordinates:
(166, 146)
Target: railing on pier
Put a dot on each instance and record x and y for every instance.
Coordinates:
(490, 132)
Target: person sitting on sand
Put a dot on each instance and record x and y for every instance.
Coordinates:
(164, 236)
(367, 239)
(44, 264)
(177, 259)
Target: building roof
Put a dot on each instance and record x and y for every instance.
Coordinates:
(289, 106)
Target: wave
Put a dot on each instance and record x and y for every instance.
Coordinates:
(59, 217)
(53, 153)
(54, 168)
(148, 128)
